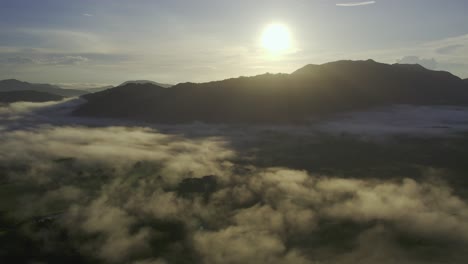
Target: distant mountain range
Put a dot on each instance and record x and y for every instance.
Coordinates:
(98, 89)
(28, 96)
(15, 85)
(313, 90)
(147, 82)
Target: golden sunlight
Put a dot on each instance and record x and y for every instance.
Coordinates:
(276, 38)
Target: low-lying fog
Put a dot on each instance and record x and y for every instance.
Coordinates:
(84, 190)
(401, 119)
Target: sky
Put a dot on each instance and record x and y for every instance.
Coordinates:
(89, 43)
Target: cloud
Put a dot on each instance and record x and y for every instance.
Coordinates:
(21, 110)
(449, 49)
(46, 59)
(67, 60)
(111, 194)
(87, 15)
(19, 60)
(450, 54)
(420, 121)
(66, 41)
(356, 3)
(116, 190)
(427, 63)
(244, 245)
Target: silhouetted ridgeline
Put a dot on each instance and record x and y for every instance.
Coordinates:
(15, 85)
(164, 85)
(28, 96)
(311, 90)
(98, 89)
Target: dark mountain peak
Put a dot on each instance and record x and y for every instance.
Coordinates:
(132, 87)
(241, 81)
(417, 67)
(341, 65)
(23, 83)
(11, 81)
(310, 91)
(16, 85)
(353, 62)
(98, 89)
(128, 89)
(164, 85)
(372, 71)
(186, 84)
(306, 69)
(28, 96)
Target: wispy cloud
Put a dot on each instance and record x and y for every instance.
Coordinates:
(45, 59)
(356, 3)
(87, 15)
(427, 63)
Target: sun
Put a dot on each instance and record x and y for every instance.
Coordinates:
(276, 38)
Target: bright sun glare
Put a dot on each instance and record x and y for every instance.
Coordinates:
(276, 38)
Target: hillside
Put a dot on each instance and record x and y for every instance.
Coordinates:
(164, 85)
(27, 96)
(98, 89)
(310, 91)
(15, 85)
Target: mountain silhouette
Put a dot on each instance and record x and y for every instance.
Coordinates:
(100, 89)
(97, 89)
(164, 85)
(28, 96)
(15, 85)
(313, 90)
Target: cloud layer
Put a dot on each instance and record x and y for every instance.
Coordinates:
(114, 194)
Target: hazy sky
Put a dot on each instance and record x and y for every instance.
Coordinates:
(92, 42)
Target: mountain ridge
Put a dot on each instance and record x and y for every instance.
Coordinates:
(98, 89)
(16, 85)
(28, 96)
(164, 85)
(311, 90)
